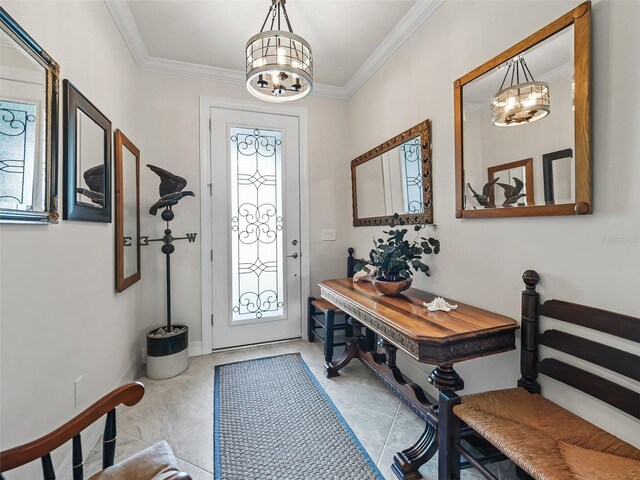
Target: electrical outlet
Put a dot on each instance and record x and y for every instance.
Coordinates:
(77, 391)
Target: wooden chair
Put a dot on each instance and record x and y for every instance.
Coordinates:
(321, 319)
(156, 462)
(543, 439)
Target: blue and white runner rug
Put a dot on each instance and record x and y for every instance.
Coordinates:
(273, 421)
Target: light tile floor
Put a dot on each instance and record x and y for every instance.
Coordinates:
(180, 411)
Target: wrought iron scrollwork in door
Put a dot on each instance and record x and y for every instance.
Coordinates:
(256, 224)
(412, 168)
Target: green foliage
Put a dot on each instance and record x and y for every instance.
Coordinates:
(395, 256)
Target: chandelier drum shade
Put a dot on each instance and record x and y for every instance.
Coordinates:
(520, 102)
(279, 63)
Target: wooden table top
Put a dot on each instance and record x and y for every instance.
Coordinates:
(431, 337)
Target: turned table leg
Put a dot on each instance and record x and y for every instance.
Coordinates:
(331, 369)
(407, 463)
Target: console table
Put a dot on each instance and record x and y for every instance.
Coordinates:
(437, 338)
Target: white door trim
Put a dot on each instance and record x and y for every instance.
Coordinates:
(206, 103)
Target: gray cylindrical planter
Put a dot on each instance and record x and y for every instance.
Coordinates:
(167, 356)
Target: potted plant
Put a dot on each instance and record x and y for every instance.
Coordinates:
(395, 257)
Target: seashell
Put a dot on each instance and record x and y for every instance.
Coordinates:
(439, 303)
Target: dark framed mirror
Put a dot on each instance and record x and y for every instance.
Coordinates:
(127, 203)
(532, 99)
(87, 159)
(29, 87)
(394, 177)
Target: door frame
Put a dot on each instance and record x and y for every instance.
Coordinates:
(206, 104)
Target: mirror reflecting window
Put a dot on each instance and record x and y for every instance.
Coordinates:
(391, 182)
(516, 112)
(127, 159)
(87, 159)
(394, 177)
(28, 127)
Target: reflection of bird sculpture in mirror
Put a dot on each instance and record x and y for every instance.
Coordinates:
(512, 193)
(94, 178)
(486, 192)
(95, 197)
(170, 189)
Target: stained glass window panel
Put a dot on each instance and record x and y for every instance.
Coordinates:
(257, 290)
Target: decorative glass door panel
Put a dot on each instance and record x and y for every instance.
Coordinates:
(256, 227)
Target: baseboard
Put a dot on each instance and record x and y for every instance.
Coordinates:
(195, 350)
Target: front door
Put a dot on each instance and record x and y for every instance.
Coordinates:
(255, 227)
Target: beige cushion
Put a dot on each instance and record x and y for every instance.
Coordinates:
(154, 463)
(547, 441)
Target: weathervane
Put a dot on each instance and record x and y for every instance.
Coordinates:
(170, 194)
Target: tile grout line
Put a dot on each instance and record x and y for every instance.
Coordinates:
(193, 465)
(389, 432)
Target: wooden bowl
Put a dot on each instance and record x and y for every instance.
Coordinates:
(391, 289)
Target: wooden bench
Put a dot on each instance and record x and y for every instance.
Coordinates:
(544, 440)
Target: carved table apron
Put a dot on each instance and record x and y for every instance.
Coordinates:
(437, 338)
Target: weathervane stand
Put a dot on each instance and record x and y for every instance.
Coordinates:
(168, 248)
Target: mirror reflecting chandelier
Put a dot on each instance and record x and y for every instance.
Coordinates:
(279, 62)
(520, 103)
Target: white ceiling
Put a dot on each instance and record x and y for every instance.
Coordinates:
(350, 39)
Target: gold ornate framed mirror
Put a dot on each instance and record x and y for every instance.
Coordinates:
(526, 102)
(394, 177)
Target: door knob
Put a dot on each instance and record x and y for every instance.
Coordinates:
(294, 255)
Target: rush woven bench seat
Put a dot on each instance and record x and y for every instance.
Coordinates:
(545, 440)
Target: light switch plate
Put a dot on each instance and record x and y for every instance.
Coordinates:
(328, 235)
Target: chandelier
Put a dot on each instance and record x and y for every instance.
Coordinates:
(520, 102)
(279, 62)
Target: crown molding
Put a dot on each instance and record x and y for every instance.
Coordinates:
(415, 17)
(129, 30)
(121, 14)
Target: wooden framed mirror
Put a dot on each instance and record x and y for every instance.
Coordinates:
(394, 177)
(531, 99)
(87, 159)
(29, 87)
(127, 157)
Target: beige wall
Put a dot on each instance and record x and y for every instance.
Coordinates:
(592, 259)
(60, 316)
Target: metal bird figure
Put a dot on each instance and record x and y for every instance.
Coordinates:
(169, 200)
(486, 192)
(95, 197)
(94, 178)
(169, 183)
(512, 193)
